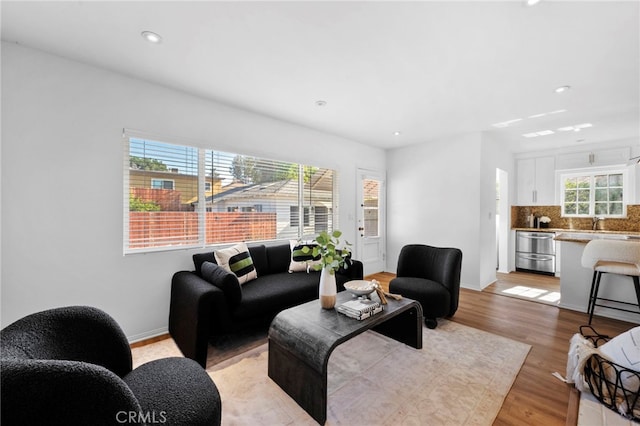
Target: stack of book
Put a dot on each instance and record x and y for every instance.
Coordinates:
(360, 309)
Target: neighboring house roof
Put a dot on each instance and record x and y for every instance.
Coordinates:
(238, 190)
(257, 190)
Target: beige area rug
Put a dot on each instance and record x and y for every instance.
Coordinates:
(460, 377)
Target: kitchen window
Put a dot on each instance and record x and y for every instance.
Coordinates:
(598, 193)
(179, 196)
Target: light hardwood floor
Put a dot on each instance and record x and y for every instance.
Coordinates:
(527, 286)
(536, 397)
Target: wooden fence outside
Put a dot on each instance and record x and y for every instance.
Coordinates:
(160, 229)
(167, 199)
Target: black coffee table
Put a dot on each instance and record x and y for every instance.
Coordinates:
(302, 338)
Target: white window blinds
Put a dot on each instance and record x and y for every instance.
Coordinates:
(184, 196)
(163, 184)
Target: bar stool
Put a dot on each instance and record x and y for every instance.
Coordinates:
(612, 257)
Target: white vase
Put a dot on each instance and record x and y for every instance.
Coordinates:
(327, 289)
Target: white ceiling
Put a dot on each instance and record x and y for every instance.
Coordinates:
(427, 69)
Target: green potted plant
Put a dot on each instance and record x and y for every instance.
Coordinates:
(332, 257)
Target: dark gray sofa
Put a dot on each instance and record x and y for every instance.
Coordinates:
(209, 301)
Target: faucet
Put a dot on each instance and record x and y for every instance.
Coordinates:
(595, 220)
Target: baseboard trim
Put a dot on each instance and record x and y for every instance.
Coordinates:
(150, 335)
(150, 340)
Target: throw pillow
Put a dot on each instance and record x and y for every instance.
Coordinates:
(624, 349)
(224, 280)
(237, 259)
(301, 261)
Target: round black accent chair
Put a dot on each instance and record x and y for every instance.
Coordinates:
(430, 275)
(72, 366)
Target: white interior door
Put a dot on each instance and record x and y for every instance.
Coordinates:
(370, 242)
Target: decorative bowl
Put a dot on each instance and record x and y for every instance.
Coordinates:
(359, 287)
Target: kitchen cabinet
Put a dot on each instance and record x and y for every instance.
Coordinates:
(536, 181)
(595, 158)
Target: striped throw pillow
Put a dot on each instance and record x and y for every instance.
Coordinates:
(237, 259)
(301, 261)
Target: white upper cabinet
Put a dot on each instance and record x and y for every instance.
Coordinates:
(595, 158)
(536, 181)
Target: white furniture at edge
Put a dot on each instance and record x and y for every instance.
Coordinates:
(575, 281)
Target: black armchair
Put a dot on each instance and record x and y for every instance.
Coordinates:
(72, 366)
(430, 275)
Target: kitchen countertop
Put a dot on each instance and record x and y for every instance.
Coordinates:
(585, 235)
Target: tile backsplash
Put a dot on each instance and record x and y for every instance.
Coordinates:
(519, 219)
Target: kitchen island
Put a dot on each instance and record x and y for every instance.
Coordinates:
(575, 281)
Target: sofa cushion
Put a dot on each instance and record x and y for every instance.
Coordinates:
(200, 258)
(224, 280)
(279, 257)
(301, 261)
(237, 259)
(275, 292)
(259, 257)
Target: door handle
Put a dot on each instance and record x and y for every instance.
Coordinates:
(360, 228)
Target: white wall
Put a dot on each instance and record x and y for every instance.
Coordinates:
(442, 193)
(433, 198)
(494, 154)
(62, 182)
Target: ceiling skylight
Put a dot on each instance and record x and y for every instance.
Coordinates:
(547, 113)
(575, 128)
(540, 133)
(506, 123)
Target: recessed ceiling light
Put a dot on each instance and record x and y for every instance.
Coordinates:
(151, 37)
(580, 140)
(397, 133)
(562, 89)
(321, 103)
(532, 2)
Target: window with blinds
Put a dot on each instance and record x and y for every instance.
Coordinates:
(184, 196)
(162, 185)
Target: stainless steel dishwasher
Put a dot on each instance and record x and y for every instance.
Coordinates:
(536, 252)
